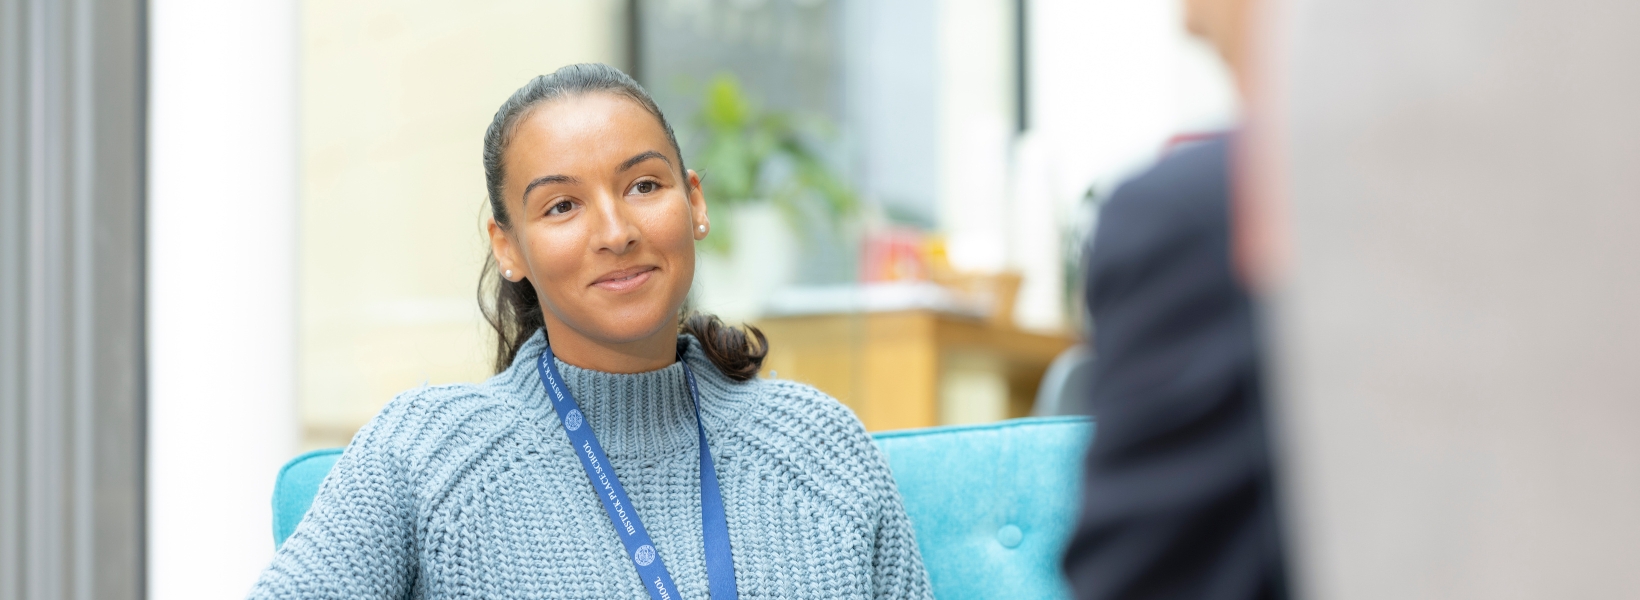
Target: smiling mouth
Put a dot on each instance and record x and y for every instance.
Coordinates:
(621, 281)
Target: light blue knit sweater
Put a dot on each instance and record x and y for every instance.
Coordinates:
(472, 491)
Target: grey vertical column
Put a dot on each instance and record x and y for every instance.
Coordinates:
(1459, 331)
(72, 91)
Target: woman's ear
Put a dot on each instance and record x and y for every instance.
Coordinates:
(697, 206)
(507, 258)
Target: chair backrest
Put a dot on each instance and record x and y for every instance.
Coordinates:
(992, 505)
(295, 488)
(1067, 384)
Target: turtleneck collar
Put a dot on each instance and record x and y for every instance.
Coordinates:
(637, 414)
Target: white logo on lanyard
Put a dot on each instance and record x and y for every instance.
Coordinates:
(572, 420)
(644, 555)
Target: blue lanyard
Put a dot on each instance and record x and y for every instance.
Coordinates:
(720, 565)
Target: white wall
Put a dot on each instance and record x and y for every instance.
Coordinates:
(976, 129)
(1111, 80)
(221, 288)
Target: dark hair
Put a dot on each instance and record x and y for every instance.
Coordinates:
(515, 312)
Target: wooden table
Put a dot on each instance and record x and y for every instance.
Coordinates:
(915, 368)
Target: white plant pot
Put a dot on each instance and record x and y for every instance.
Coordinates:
(762, 258)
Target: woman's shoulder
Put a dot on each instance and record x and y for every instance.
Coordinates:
(433, 420)
(810, 427)
(804, 404)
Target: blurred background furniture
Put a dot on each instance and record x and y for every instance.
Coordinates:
(1066, 385)
(914, 368)
(992, 504)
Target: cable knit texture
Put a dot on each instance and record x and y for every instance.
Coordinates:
(473, 491)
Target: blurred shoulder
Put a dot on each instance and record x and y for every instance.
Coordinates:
(1188, 179)
(1171, 220)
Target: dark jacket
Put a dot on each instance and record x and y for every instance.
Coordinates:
(1178, 499)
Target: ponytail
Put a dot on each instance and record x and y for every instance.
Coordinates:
(514, 314)
(736, 351)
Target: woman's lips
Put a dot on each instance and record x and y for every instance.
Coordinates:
(624, 280)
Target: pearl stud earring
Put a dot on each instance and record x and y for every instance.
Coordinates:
(508, 274)
(702, 228)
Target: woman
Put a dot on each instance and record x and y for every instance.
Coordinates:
(621, 450)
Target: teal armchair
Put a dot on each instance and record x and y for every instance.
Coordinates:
(993, 505)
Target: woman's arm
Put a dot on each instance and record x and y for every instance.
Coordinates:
(356, 540)
(897, 567)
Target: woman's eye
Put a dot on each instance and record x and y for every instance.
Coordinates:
(644, 187)
(561, 207)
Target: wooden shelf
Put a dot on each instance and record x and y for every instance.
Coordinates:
(917, 368)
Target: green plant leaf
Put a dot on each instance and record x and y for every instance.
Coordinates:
(741, 143)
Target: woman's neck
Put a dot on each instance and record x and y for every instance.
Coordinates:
(638, 356)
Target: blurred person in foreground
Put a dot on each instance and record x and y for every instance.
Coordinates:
(1179, 500)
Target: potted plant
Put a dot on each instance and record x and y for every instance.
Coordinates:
(749, 155)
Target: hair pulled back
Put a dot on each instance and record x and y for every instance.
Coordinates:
(512, 307)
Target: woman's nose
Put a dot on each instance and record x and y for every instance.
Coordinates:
(615, 232)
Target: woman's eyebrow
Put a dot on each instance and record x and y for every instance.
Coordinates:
(539, 181)
(632, 162)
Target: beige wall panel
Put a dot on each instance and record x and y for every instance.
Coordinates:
(395, 97)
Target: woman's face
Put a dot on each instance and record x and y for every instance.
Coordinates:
(602, 222)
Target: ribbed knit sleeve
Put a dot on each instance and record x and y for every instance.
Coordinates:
(897, 568)
(356, 540)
